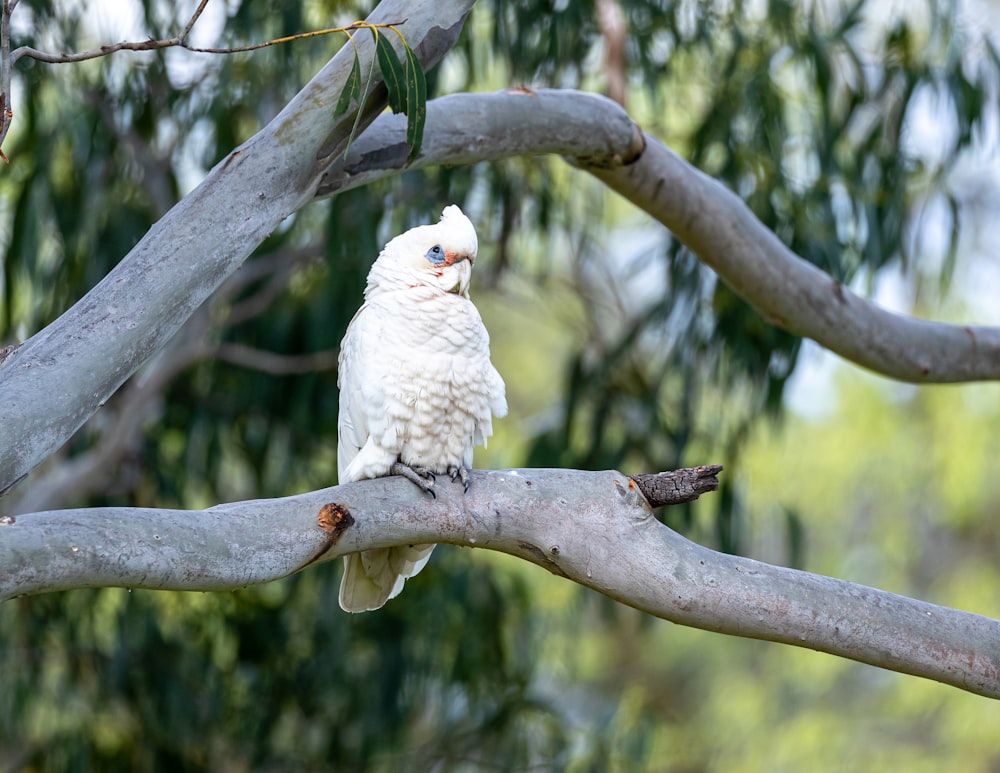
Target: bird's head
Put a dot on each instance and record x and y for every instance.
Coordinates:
(439, 255)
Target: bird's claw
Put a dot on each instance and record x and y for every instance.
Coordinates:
(460, 473)
(418, 476)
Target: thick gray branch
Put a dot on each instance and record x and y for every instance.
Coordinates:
(62, 375)
(597, 135)
(590, 527)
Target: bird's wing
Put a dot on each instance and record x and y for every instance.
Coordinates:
(371, 577)
(355, 383)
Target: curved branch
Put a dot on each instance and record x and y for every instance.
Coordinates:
(63, 374)
(790, 292)
(598, 136)
(590, 527)
(277, 364)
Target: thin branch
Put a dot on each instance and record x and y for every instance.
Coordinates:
(277, 364)
(8, 58)
(596, 135)
(589, 527)
(611, 22)
(358, 25)
(6, 72)
(193, 20)
(179, 41)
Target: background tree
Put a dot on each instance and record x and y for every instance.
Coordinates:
(808, 114)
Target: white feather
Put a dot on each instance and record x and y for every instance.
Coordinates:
(416, 384)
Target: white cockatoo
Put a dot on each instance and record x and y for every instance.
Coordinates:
(417, 388)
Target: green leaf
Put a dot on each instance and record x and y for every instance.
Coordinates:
(354, 84)
(416, 104)
(352, 89)
(392, 72)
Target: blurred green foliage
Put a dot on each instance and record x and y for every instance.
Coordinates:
(619, 351)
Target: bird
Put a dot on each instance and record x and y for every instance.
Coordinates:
(418, 390)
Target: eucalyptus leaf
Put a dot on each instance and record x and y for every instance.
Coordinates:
(392, 72)
(352, 89)
(416, 104)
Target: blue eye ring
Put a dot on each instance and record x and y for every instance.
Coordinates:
(435, 255)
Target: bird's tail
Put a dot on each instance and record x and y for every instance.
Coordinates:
(372, 577)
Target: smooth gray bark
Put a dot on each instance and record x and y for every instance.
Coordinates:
(593, 528)
(595, 134)
(59, 377)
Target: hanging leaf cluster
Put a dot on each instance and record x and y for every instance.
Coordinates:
(404, 80)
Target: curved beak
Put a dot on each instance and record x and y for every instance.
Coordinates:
(463, 269)
(451, 258)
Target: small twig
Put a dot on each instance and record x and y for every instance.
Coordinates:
(8, 58)
(299, 36)
(180, 41)
(194, 18)
(276, 364)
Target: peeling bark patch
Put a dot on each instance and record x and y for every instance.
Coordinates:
(838, 291)
(539, 557)
(7, 520)
(334, 519)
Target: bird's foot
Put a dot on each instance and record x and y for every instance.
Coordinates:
(460, 473)
(419, 476)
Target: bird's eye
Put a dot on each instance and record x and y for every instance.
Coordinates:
(436, 255)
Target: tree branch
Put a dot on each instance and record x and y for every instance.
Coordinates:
(590, 527)
(63, 374)
(120, 425)
(277, 364)
(598, 136)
